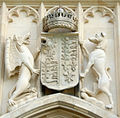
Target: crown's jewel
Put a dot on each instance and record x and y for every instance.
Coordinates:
(61, 18)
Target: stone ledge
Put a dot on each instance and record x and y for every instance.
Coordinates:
(63, 2)
(62, 101)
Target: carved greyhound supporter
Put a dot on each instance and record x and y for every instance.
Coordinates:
(17, 46)
(97, 61)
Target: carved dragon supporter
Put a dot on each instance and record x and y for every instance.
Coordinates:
(19, 60)
(97, 61)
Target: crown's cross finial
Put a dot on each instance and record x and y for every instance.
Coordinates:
(60, 6)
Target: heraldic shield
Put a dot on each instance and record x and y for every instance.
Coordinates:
(59, 62)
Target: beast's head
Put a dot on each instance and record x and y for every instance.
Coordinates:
(22, 40)
(97, 38)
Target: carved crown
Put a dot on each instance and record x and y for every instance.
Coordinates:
(60, 18)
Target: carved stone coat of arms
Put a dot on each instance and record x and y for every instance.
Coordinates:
(59, 63)
(59, 55)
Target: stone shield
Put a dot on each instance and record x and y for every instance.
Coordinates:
(59, 62)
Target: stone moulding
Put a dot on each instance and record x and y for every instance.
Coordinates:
(47, 106)
(104, 10)
(23, 8)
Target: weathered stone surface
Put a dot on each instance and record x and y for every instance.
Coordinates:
(53, 104)
(60, 63)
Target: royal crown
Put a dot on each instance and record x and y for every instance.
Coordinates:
(60, 18)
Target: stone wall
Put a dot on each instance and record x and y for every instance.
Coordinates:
(84, 38)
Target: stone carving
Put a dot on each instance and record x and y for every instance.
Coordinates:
(69, 52)
(60, 18)
(50, 65)
(59, 67)
(85, 95)
(97, 62)
(20, 60)
(28, 10)
(90, 12)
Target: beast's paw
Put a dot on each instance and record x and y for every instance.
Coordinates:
(109, 106)
(81, 42)
(33, 90)
(36, 71)
(11, 102)
(84, 90)
(82, 75)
